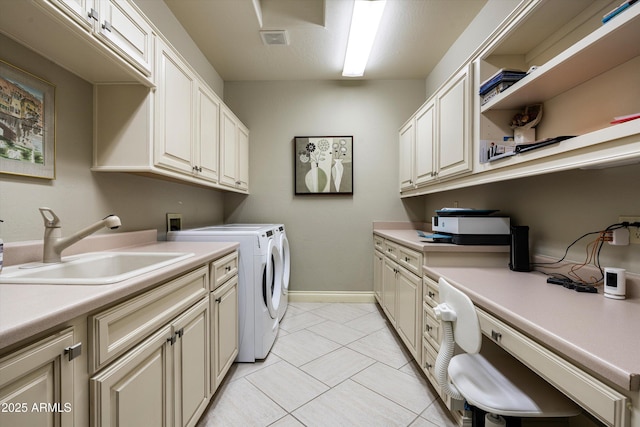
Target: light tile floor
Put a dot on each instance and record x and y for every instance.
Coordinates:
(332, 364)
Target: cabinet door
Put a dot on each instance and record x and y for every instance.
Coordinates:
(224, 301)
(407, 134)
(174, 111)
(243, 158)
(454, 125)
(228, 149)
(389, 289)
(425, 134)
(39, 375)
(207, 134)
(81, 11)
(378, 269)
(136, 389)
(191, 364)
(127, 32)
(409, 309)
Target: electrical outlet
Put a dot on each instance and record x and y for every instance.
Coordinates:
(634, 232)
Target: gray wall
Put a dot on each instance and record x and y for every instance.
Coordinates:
(77, 195)
(330, 236)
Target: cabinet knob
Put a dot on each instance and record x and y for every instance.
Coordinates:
(497, 336)
(218, 300)
(431, 294)
(227, 268)
(429, 328)
(407, 259)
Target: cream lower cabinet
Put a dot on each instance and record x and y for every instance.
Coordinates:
(162, 381)
(401, 290)
(378, 269)
(37, 385)
(224, 324)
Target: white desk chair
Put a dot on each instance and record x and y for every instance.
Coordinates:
(492, 381)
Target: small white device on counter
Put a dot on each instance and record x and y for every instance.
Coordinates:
(615, 285)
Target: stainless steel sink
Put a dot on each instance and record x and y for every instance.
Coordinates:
(97, 268)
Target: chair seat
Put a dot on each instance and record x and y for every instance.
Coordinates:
(498, 383)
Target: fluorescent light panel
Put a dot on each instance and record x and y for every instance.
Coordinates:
(364, 26)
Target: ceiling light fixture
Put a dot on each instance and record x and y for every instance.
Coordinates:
(364, 26)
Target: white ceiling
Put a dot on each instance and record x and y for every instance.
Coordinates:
(413, 36)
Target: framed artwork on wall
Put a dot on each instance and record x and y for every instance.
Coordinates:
(27, 124)
(323, 164)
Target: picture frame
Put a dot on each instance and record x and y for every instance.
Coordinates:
(323, 165)
(27, 124)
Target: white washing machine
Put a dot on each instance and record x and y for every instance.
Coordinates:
(285, 254)
(259, 281)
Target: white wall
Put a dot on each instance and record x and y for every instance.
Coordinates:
(77, 195)
(330, 236)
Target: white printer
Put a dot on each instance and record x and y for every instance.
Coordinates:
(472, 226)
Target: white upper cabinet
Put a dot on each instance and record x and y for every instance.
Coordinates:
(584, 74)
(234, 152)
(436, 142)
(99, 40)
(174, 112)
(117, 24)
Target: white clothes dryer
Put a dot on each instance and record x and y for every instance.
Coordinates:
(259, 282)
(285, 255)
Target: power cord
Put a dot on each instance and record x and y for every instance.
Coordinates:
(593, 255)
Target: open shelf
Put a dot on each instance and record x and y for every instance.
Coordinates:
(607, 47)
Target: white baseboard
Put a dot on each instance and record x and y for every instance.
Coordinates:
(331, 296)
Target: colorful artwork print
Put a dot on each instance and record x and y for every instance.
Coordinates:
(27, 114)
(324, 165)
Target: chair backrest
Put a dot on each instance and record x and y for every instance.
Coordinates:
(466, 328)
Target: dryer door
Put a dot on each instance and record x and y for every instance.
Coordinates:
(272, 279)
(286, 262)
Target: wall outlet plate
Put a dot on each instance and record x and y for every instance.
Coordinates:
(174, 222)
(634, 232)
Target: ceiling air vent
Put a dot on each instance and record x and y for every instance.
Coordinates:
(274, 37)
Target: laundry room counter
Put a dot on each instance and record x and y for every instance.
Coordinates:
(27, 310)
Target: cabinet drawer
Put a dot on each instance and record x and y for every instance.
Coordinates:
(431, 327)
(117, 329)
(429, 355)
(378, 243)
(224, 268)
(410, 259)
(431, 291)
(391, 250)
(600, 400)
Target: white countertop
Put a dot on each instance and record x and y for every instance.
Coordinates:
(27, 310)
(597, 333)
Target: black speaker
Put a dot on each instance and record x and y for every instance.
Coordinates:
(519, 260)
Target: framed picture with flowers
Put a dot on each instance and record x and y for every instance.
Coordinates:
(323, 164)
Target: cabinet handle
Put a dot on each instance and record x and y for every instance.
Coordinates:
(106, 26)
(429, 328)
(497, 336)
(227, 268)
(428, 366)
(93, 14)
(431, 294)
(218, 300)
(197, 168)
(407, 259)
(238, 182)
(180, 332)
(171, 340)
(73, 351)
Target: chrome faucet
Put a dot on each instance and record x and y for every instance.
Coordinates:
(54, 243)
